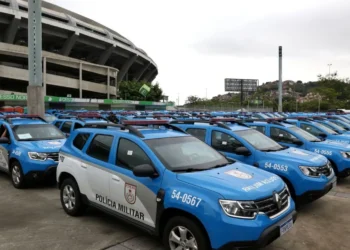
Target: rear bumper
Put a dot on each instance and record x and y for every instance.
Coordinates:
(269, 235)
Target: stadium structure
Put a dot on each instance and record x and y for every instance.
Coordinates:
(81, 58)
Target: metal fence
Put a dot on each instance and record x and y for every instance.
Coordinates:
(224, 108)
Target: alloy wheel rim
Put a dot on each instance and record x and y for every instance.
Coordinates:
(180, 238)
(16, 175)
(68, 196)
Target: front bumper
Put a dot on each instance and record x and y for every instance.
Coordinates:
(313, 195)
(344, 173)
(269, 235)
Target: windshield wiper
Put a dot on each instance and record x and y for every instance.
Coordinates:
(188, 170)
(273, 150)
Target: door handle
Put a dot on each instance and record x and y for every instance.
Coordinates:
(115, 178)
(83, 165)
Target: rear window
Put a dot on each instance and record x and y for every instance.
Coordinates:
(80, 140)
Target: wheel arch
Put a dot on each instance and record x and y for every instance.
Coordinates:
(63, 176)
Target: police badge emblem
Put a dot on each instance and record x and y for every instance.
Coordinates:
(130, 193)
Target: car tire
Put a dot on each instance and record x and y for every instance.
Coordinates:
(182, 231)
(17, 176)
(71, 198)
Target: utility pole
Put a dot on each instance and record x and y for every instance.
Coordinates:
(178, 99)
(319, 103)
(241, 95)
(35, 90)
(280, 79)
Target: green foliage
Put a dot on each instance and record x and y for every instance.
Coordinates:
(129, 90)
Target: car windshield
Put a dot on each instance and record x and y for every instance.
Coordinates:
(340, 124)
(258, 140)
(37, 132)
(332, 125)
(328, 130)
(186, 153)
(307, 136)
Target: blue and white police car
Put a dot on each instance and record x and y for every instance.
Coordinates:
(29, 148)
(157, 177)
(294, 166)
(289, 135)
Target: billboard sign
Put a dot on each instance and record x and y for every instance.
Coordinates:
(237, 85)
(144, 90)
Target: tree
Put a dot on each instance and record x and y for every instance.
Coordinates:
(192, 99)
(129, 90)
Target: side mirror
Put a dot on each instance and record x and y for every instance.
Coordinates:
(323, 135)
(297, 142)
(242, 151)
(4, 140)
(144, 170)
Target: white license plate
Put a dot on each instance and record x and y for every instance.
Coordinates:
(285, 227)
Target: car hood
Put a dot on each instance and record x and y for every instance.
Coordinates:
(332, 145)
(43, 146)
(237, 181)
(298, 156)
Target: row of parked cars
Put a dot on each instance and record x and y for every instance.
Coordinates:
(198, 181)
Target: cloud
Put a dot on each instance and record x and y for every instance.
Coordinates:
(310, 32)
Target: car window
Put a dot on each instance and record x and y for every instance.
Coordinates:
(259, 128)
(100, 147)
(66, 127)
(224, 142)
(311, 129)
(198, 133)
(130, 155)
(77, 125)
(281, 135)
(80, 140)
(58, 124)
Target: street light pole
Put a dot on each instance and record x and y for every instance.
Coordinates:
(329, 65)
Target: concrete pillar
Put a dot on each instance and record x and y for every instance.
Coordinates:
(108, 84)
(44, 75)
(69, 43)
(80, 80)
(105, 55)
(149, 75)
(12, 29)
(35, 101)
(141, 72)
(126, 67)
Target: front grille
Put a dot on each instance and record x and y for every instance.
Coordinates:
(325, 170)
(269, 206)
(53, 156)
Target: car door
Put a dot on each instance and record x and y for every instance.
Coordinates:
(135, 196)
(228, 144)
(4, 148)
(96, 163)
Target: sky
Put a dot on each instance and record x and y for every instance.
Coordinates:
(197, 44)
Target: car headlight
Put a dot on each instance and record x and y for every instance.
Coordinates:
(310, 171)
(239, 209)
(37, 156)
(345, 154)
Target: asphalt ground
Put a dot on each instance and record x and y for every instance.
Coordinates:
(34, 219)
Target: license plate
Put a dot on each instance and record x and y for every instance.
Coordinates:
(285, 227)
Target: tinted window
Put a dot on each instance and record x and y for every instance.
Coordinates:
(281, 135)
(259, 128)
(58, 124)
(198, 133)
(224, 142)
(100, 147)
(311, 129)
(130, 155)
(77, 125)
(80, 140)
(66, 127)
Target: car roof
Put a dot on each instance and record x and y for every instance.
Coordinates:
(21, 121)
(148, 133)
(283, 124)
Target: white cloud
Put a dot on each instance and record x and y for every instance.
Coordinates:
(196, 44)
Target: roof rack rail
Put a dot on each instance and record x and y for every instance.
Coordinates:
(228, 120)
(9, 117)
(103, 125)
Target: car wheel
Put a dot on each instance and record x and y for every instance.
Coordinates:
(183, 233)
(71, 198)
(17, 177)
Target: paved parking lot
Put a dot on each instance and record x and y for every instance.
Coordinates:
(33, 219)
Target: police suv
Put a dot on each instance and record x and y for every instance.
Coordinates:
(289, 135)
(172, 185)
(28, 148)
(294, 166)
